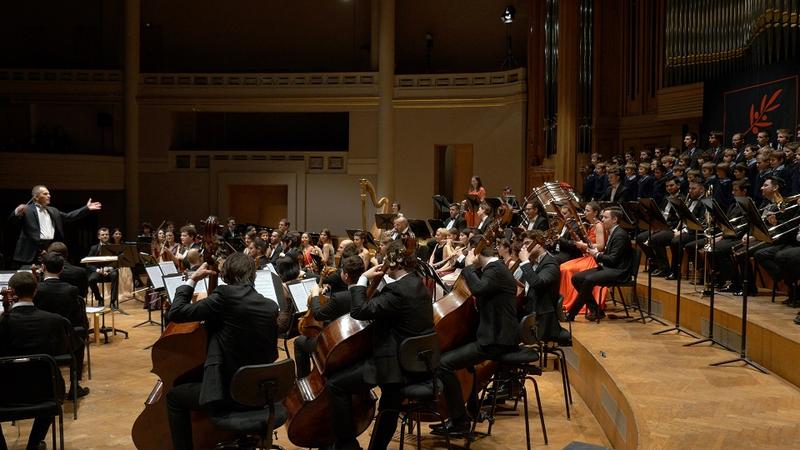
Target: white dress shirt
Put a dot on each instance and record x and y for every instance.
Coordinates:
(46, 230)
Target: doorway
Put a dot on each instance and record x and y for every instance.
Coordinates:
(263, 204)
(452, 170)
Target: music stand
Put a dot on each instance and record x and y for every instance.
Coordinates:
(473, 202)
(419, 228)
(512, 201)
(385, 221)
(236, 242)
(369, 241)
(155, 275)
(720, 221)
(441, 205)
(435, 224)
(692, 224)
(759, 231)
(651, 219)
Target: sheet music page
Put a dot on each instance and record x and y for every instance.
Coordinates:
(4, 277)
(154, 272)
(299, 296)
(171, 283)
(168, 268)
(265, 286)
(271, 268)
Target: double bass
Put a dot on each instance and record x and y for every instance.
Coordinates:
(178, 354)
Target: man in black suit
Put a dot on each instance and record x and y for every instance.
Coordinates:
(683, 236)
(495, 291)
(654, 244)
(542, 277)
(401, 309)
(101, 274)
(612, 266)
(243, 328)
(27, 330)
(483, 217)
(73, 275)
(230, 230)
(456, 219)
(537, 219)
(42, 223)
(616, 191)
(59, 297)
(338, 304)
(690, 141)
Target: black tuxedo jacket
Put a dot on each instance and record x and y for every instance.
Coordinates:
(402, 309)
(482, 226)
(543, 285)
(622, 194)
(28, 241)
(59, 297)
(276, 253)
(458, 224)
(77, 277)
(228, 235)
(335, 281)
(618, 251)
(243, 330)
(495, 291)
(94, 250)
(338, 305)
(540, 223)
(672, 217)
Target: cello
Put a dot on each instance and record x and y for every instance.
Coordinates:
(178, 354)
(343, 343)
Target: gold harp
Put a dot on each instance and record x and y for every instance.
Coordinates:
(381, 204)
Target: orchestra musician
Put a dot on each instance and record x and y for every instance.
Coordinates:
(612, 262)
(401, 309)
(475, 188)
(774, 213)
(230, 230)
(28, 330)
(682, 236)
(243, 330)
(654, 244)
(326, 244)
(596, 235)
(616, 191)
(337, 305)
(483, 217)
(359, 238)
(495, 289)
(541, 276)
(100, 274)
(42, 224)
(74, 275)
(456, 219)
(535, 216)
(402, 229)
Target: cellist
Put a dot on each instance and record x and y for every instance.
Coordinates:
(243, 329)
(495, 291)
(338, 304)
(400, 310)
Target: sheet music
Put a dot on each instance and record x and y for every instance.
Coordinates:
(171, 283)
(155, 274)
(168, 268)
(265, 286)
(271, 268)
(300, 292)
(5, 276)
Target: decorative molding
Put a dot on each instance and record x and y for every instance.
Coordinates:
(362, 166)
(73, 172)
(61, 76)
(201, 161)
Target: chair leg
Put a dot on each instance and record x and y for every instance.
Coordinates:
(624, 303)
(774, 290)
(539, 405)
(419, 433)
(88, 357)
(525, 408)
(563, 357)
(60, 429)
(565, 385)
(53, 433)
(74, 374)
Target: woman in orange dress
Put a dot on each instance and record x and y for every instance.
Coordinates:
(597, 236)
(476, 188)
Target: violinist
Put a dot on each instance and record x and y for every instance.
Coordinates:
(565, 249)
(275, 245)
(309, 251)
(188, 236)
(249, 239)
(596, 238)
(483, 217)
(358, 239)
(542, 278)
(456, 219)
(326, 245)
(171, 244)
(535, 217)
(402, 229)
(100, 274)
(116, 236)
(495, 292)
(158, 244)
(243, 330)
(452, 250)
(401, 309)
(377, 260)
(259, 255)
(334, 280)
(230, 230)
(337, 305)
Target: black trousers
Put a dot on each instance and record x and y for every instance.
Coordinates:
(464, 357)
(181, 401)
(38, 433)
(303, 349)
(766, 257)
(723, 262)
(341, 385)
(585, 281)
(655, 247)
(788, 260)
(94, 284)
(676, 245)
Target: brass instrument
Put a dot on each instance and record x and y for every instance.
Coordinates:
(382, 203)
(775, 232)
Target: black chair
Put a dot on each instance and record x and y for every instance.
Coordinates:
(419, 357)
(258, 389)
(514, 369)
(631, 282)
(37, 391)
(555, 346)
(68, 359)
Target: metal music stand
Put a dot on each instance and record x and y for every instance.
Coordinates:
(419, 228)
(473, 202)
(155, 275)
(650, 218)
(441, 205)
(692, 224)
(720, 220)
(759, 231)
(385, 221)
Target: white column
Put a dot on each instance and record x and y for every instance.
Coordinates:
(386, 96)
(131, 85)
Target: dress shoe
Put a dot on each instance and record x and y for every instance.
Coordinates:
(729, 288)
(82, 392)
(797, 319)
(453, 429)
(657, 272)
(672, 276)
(42, 445)
(596, 316)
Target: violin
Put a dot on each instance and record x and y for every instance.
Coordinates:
(211, 229)
(9, 298)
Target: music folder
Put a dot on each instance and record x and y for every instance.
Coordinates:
(420, 228)
(686, 216)
(300, 290)
(650, 216)
(473, 202)
(385, 221)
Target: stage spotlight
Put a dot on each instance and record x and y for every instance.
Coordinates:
(508, 14)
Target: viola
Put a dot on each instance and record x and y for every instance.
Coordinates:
(211, 229)
(9, 297)
(308, 325)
